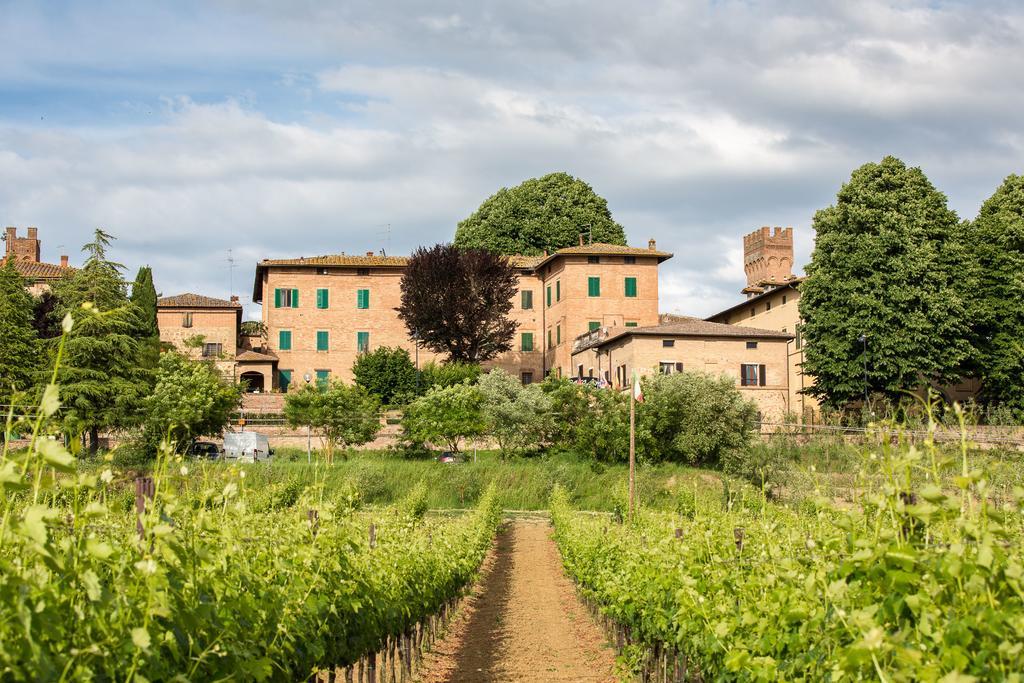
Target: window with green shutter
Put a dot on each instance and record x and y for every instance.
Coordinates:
(284, 379)
(362, 298)
(526, 341)
(527, 297)
(322, 298)
(631, 286)
(593, 325)
(323, 378)
(551, 340)
(558, 290)
(549, 296)
(277, 298)
(286, 298)
(558, 334)
(323, 339)
(362, 342)
(631, 324)
(284, 340)
(593, 286)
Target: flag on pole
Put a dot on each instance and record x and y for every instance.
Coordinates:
(638, 394)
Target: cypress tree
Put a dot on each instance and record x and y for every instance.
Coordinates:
(19, 348)
(997, 237)
(144, 297)
(885, 276)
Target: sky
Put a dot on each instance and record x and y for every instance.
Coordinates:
(206, 134)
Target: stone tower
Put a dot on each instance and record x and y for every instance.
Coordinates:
(768, 256)
(22, 248)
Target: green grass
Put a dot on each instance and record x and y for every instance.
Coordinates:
(382, 478)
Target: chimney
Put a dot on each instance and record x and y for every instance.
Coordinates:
(651, 244)
(33, 233)
(369, 253)
(64, 261)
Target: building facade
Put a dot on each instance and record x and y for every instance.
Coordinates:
(756, 359)
(26, 253)
(205, 328)
(321, 312)
(772, 303)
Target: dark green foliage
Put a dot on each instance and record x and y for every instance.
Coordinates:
(549, 212)
(387, 373)
(888, 264)
(101, 381)
(604, 433)
(457, 301)
(144, 297)
(447, 374)
(19, 344)
(570, 406)
(694, 418)
(997, 239)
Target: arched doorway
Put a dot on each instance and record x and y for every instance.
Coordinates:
(253, 382)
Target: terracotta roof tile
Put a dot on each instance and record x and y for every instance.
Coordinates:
(339, 260)
(194, 301)
(256, 356)
(685, 326)
(40, 271)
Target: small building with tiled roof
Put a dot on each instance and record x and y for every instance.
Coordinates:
(754, 358)
(321, 312)
(26, 252)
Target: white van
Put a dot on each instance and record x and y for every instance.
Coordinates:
(246, 447)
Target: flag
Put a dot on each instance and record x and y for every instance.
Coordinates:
(638, 394)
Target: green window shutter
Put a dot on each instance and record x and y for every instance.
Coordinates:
(526, 343)
(551, 340)
(322, 298)
(323, 378)
(593, 286)
(593, 325)
(277, 298)
(284, 340)
(631, 324)
(362, 298)
(284, 379)
(549, 296)
(558, 290)
(322, 340)
(631, 286)
(295, 298)
(558, 334)
(527, 297)
(362, 342)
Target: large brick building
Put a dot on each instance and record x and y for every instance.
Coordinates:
(321, 312)
(26, 252)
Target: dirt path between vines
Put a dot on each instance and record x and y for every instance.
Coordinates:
(523, 621)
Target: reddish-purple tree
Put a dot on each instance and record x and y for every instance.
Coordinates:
(457, 301)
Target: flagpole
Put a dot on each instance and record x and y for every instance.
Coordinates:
(632, 443)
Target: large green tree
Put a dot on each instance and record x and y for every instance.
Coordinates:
(549, 212)
(885, 276)
(997, 242)
(387, 373)
(144, 297)
(19, 348)
(101, 380)
(190, 399)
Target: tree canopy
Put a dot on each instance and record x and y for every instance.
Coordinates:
(387, 373)
(997, 243)
(549, 212)
(885, 275)
(101, 380)
(457, 301)
(342, 415)
(445, 416)
(144, 297)
(19, 348)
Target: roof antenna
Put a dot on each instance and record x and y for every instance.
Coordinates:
(231, 274)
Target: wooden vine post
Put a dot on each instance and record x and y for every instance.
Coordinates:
(145, 489)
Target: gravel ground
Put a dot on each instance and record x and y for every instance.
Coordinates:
(523, 621)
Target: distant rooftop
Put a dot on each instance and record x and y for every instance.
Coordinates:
(189, 300)
(680, 326)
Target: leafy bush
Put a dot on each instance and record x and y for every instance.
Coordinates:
(434, 375)
(342, 415)
(387, 373)
(517, 417)
(604, 433)
(445, 416)
(693, 417)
